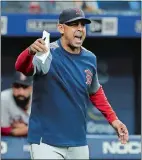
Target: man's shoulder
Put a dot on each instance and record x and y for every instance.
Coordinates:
(54, 45)
(6, 97)
(6, 93)
(89, 53)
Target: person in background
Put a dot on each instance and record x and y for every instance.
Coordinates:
(41, 7)
(34, 7)
(15, 106)
(89, 6)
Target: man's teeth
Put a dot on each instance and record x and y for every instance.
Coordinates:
(78, 37)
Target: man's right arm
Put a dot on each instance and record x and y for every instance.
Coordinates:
(27, 63)
(24, 63)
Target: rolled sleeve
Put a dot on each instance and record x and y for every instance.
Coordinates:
(42, 68)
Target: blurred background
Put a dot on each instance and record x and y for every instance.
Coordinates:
(114, 36)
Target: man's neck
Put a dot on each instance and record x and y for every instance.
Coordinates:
(68, 48)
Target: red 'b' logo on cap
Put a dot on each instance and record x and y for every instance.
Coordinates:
(78, 11)
(22, 77)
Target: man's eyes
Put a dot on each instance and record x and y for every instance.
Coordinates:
(76, 24)
(72, 24)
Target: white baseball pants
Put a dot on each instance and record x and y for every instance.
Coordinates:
(44, 151)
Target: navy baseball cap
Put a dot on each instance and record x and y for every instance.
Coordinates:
(20, 78)
(72, 14)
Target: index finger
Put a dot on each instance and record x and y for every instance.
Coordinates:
(125, 139)
(125, 130)
(41, 46)
(41, 41)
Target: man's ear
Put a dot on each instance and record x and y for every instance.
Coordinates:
(60, 28)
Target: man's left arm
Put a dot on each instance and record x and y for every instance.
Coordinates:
(99, 100)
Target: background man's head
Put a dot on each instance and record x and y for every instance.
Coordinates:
(22, 89)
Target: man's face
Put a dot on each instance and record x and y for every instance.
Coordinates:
(21, 92)
(74, 33)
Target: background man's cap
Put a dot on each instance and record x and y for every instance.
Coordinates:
(20, 78)
(72, 14)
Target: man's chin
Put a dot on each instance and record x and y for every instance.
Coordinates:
(77, 45)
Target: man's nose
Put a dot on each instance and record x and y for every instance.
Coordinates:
(80, 26)
(21, 90)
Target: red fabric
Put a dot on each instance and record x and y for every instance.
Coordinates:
(101, 103)
(24, 63)
(5, 131)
